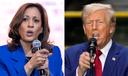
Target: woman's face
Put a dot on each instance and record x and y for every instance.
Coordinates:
(30, 27)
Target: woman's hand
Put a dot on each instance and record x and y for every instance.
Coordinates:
(37, 60)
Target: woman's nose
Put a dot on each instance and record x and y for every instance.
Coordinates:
(30, 24)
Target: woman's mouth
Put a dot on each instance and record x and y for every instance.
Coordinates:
(29, 33)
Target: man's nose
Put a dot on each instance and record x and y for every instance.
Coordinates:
(94, 25)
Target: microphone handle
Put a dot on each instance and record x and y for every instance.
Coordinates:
(91, 64)
(42, 72)
(91, 56)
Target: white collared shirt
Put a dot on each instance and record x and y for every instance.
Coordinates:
(103, 56)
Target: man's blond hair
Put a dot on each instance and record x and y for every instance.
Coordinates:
(91, 8)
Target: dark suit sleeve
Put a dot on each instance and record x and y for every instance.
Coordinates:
(69, 71)
(72, 55)
(126, 73)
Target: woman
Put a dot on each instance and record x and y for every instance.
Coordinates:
(30, 23)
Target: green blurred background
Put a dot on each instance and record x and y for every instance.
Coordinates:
(73, 24)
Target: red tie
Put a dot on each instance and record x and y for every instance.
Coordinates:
(98, 65)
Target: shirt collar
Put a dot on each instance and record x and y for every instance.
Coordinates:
(106, 49)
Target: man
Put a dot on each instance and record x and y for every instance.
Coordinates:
(98, 22)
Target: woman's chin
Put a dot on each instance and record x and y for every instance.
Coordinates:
(29, 39)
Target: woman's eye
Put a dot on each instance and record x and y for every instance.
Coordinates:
(25, 19)
(36, 20)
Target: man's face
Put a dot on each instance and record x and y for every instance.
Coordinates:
(98, 23)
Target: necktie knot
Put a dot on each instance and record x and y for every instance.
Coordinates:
(98, 53)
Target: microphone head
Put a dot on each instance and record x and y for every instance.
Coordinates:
(93, 42)
(36, 44)
(92, 46)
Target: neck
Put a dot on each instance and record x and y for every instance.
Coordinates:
(26, 46)
(101, 47)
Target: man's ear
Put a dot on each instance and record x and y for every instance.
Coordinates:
(112, 29)
(84, 29)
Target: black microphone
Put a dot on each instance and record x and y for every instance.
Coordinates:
(92, 51)
(92, 46)
(36, 45)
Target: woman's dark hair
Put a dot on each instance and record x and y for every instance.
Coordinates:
(17, 20)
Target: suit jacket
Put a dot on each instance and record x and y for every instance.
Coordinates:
(116, 63)
(12, 62)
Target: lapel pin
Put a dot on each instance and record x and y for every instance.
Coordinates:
(113, 58)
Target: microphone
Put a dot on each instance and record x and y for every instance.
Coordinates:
(92, 51)
(36, 45)
(92, 46)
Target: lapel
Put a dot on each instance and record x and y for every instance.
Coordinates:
(18, 59)
(111, 60)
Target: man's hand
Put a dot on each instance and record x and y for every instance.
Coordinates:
(84, 63)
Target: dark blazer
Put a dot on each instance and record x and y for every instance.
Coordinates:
(12, 62)
(116, 63)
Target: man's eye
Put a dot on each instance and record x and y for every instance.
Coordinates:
(100, 22)
(88, 22)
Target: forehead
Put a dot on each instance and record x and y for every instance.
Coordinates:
(32, 11)
(99, 14)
